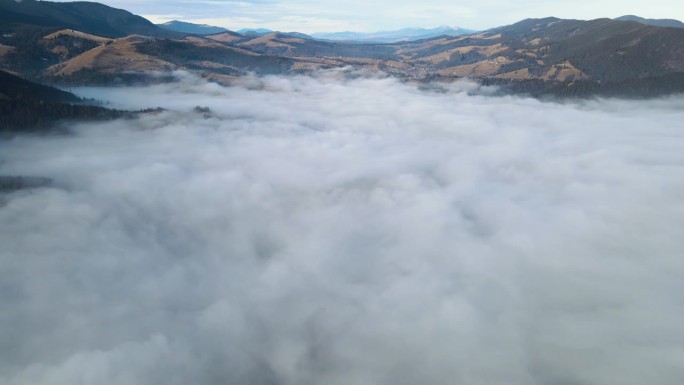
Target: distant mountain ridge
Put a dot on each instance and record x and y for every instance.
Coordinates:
(654, 22)
(405, 34)
(196, 29)
(263, 32)
(208, 30)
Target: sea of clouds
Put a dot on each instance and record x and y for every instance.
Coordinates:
(337, 231)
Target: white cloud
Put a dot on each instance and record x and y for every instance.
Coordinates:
(320, 230)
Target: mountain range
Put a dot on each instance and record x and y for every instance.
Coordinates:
(89, 43)
(406, 34)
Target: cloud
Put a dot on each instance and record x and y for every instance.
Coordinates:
(335, 230)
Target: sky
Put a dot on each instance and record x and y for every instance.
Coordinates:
(309, 16)
(334, 229)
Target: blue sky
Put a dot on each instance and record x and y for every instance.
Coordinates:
(363, 15)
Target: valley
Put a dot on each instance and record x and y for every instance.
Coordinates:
(568, 58)
(217, 192)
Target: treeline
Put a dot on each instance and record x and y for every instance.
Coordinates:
(30, 55)
(31, 115)
(13, 87)
(28, 106)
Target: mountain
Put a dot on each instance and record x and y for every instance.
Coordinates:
(601, 49)
(94, 18)
(29, 106)
(654, 22)
(195, 29)
(595, 57)
(406, 34)
(254, 31)
(128, 60)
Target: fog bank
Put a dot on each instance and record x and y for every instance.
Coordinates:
(322, 230)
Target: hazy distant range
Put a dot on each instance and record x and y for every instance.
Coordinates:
(404, 34)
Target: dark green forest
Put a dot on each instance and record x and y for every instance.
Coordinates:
(26, 106)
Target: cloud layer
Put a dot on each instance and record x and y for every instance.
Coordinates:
(321, 230)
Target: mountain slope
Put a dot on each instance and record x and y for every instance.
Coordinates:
(604, 49)
(94, 18)
(120, 55)
(13, 87)
(29, 106)
(130, 59)
(195, 29)
(653, 22)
